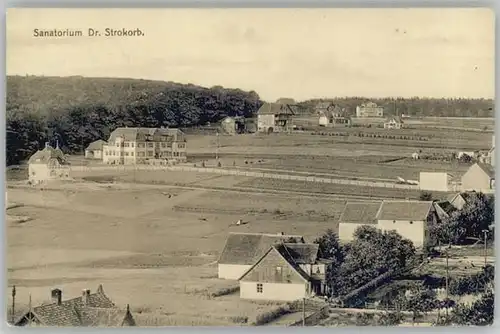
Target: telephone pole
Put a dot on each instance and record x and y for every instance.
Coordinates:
(447, 283)
(13, 316)
(485, 247)
(217, 147)
(303, 311)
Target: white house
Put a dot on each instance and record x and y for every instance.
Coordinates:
(436, 181)
(323, 119)
(355, 215)
(48, 164)
(285, 272)
(394, 122)
(242, 250)
(479, 177)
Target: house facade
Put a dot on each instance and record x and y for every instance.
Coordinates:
(88, 310)
(354, 216)
(410, 219)
(479, 177)
(145, 145)
(369, 109)
(275, 117)
(242, 250)
(436, 181)
(47, 165)
(95, 149)
(285, 272)
(394, 122)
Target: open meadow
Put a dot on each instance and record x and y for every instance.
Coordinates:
(152, 237)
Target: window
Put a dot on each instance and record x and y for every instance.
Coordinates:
(132, 144)
(260, 288)
(121, 154)
(141, 145)
(163, 145)
(411, 222)
(126, 154)
(150, 153)
(278, 270)
(131, 154)
(127, 144)
(150, 145)
(141, 154)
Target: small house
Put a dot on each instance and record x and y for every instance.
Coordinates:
(285, 272)
(323, 119)
(479, 177)
(275, 117)
(242, 250)
(88, 310)
(355, 215)
(394, 122)
(410, 219)
(94, 150)
(48, 164)
(436, 181)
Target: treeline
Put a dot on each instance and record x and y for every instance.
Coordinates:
(76, 111)
(415, 107)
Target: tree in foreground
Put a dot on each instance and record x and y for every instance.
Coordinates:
(480, 313)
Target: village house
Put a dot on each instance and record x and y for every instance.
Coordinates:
(47, 165)
(242, 250)
(331, 115)
(94, 150)
(393, 122)
(408, 218)
(437, 181)
(369, 109)
(88, 310)
(286, 272)
(355, 215)
(145, 145)
(233, 125)
(479, 177)
(275, 117)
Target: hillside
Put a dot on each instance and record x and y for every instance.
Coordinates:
(78, 110)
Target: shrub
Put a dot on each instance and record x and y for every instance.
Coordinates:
(271, 315)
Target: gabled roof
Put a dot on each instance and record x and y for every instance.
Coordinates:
(441, 212)
(396, 119)
(276, 109)
(446, 206)
(300, 253)
(283, 254)
(98, 311)
(144, 134)
(48, 153)
(404, 210)
(96, 145)
(246, 248)
(487, 169)
(360, 213)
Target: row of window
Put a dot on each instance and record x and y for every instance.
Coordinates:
(149, 144)
(142, 154)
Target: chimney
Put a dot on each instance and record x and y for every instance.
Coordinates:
(85, 296)
(56, 295)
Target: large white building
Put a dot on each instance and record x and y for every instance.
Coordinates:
(144, 145)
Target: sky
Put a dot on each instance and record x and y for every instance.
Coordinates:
(295, 53)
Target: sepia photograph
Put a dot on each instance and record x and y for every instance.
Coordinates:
(250, 167)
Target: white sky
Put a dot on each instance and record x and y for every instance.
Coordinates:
(297, 53)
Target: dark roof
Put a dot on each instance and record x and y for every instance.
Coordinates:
(397, 119)
(276, 109)
(285, 255)
(300, 253)
(446, 206)
(48, 153)
(144, 134)
(404, 210)
(99, 311)
(488, 169)
(247, 248)
(360, 213)
(96, 145)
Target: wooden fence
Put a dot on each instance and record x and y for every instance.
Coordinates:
(222, 171)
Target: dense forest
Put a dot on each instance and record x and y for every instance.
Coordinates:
(76, 111)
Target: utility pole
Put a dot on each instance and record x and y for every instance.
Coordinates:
(485, 247)
(217, 147)
(13, 304)
(303, 311)
(447, 283)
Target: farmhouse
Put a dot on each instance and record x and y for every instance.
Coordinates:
(142, 145)
(88, 310)
(479, 177)
(275, 117)
(242, 250)
(331, 115)
(233, 125)
(285, 272)
(369, 109)
(410, 219)
(355, 215)
(48, 164)
(94, 150)
(394, 122)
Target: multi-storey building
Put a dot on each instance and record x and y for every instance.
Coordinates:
(144, 145)
(369, 109)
